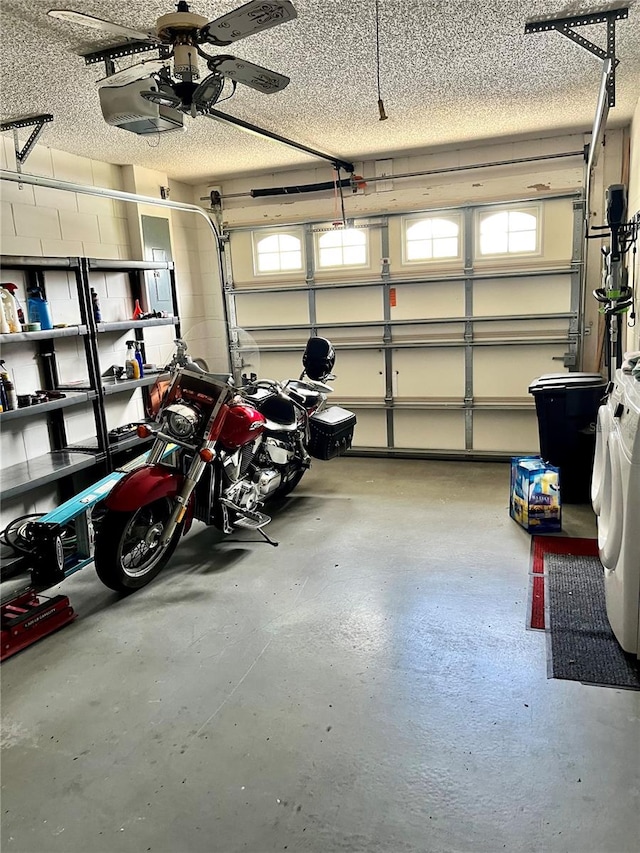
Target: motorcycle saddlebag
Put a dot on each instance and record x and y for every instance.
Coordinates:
(331, 432)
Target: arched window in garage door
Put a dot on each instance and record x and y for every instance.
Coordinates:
(346, 247)
(431, 238)
(509, 232)
(280, 252)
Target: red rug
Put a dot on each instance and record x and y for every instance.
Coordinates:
(540, 546)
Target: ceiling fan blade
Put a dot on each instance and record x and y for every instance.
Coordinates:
(99, 24)
(253, 17)
(208, 91)
(248, 74)
(134, 72)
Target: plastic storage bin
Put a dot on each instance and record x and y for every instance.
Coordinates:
(567, 408)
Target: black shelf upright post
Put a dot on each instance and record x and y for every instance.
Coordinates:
(93, 360)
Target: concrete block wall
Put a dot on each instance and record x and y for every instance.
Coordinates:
(56, 223)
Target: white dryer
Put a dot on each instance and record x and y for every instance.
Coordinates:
(616, 500)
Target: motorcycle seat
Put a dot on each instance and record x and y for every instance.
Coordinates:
(308, 397)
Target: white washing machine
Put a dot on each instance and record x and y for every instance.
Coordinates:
(615, 494)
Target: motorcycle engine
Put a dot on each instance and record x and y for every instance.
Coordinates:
(249, 482)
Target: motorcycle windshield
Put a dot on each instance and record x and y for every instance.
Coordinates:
(207, 342)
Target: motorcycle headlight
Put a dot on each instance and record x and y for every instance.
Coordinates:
(180, 421)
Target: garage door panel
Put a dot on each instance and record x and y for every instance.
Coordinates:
(359, 373)
(272, 309)
(528, 295)
(432, 372)
(522, 328)
(371, 428)
(351, 304)
(276, 365)
(428, 300)
(428, 332)
(428, 430)
(503, 372)
(507, 432)
(352, 334)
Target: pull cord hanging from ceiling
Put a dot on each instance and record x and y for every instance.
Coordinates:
(381, 110)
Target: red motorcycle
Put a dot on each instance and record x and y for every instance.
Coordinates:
(220, 452)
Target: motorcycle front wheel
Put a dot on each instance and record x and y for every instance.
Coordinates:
(128, 554)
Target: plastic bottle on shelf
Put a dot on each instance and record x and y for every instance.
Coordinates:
(10, 397)
(95, 302)
(139, 359)
(10, 310)
(13, 290)
(4, 406)
(131, 365)
(38, 309)
(137, 311)
(4, 326)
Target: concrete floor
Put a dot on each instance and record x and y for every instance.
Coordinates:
(367, 686)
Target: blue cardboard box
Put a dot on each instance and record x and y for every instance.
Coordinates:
(535, 501)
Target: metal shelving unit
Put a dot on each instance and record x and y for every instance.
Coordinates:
(64, 459)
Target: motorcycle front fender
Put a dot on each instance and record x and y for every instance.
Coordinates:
(144, 486)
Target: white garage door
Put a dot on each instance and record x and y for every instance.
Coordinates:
(440, 318)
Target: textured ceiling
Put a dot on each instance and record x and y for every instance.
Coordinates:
(452, 71)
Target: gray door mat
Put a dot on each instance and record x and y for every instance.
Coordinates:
(583, 646)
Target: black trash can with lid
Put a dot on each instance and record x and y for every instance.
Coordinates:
(567, 407)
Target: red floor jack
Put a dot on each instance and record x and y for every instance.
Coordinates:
(29, 617)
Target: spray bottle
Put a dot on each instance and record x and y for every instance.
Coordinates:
(139, 359)
(13, 290)
(131, 363)
(4, 326)
(10, 310)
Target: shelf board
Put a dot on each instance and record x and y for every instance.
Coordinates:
(16, 262)
(124, 266)
(42, 470)
(90, 445)
(75, 398)
(127, 443)
(43, 335)
(118, 386)
(123, 325)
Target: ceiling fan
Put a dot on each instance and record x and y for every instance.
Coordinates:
(178, 37)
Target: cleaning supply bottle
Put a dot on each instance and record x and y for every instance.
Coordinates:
(38, 308)
(4, 406)
(10, 396)
(4, 326)
(139, 359)
(13, 290)
(10, 310)
(95, 302)
(131, 365)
